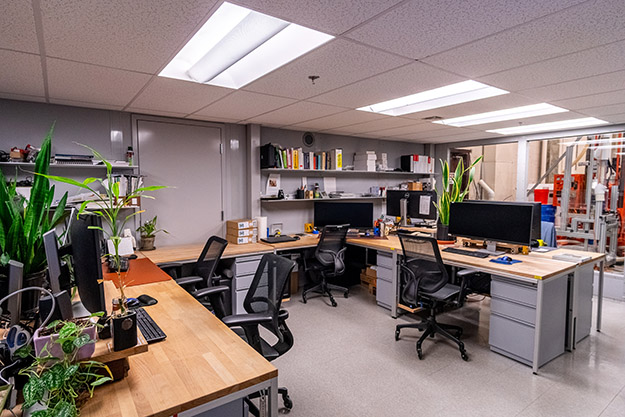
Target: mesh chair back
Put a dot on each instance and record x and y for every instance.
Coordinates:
(267, 288)
(333, 238)
(423, 259)
(209, 258)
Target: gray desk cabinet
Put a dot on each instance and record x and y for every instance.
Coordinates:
(580, 303)
(384, 292)
(244, 270)
(520, 313)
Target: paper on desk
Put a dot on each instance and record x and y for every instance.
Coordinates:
(424, 205)
(329, 184)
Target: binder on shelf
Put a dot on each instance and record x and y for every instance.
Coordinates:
(300, 158)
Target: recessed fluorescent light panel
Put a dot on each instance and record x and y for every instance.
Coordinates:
(237, 46)
(502, 115)
(543, 127)
(439, 97)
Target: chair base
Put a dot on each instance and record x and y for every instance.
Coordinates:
(431, 327)
(324, 289)
(284, 392)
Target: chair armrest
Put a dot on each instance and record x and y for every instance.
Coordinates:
(247, 319)
(170, 265)
(210, 291)
(183, 282)
(465, 272)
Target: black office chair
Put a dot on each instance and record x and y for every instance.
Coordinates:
(262, 304)
(204, 284)
(328, 262)
(425, 282)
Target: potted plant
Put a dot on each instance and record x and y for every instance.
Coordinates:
(109, 207)
(148, 232)
(451, 192)
(23, 223)
(60, 385)
(51, 338)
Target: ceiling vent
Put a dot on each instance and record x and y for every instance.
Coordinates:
(430, 118)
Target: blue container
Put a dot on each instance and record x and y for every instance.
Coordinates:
(548, 213)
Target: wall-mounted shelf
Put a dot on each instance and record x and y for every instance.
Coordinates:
(332, 173)
(80, 166)
(310, 200)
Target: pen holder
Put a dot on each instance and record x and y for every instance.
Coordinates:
(299, 194)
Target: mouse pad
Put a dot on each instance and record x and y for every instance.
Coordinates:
(510, 262)
(141, 271)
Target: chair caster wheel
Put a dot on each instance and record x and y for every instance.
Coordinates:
(288, 403)
(304, 300)
(334, 304)
(346, 294)
(464, 356)
(396, 335)
(419, 354)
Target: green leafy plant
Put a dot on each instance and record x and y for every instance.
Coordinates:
(61, 385)
(109, 206)
(452, 191)
(24, 221)
(148, 229)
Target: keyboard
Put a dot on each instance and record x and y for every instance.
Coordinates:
(148, 327)
(466, 252)
(279, 239)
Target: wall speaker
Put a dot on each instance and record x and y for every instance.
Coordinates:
(308, 139)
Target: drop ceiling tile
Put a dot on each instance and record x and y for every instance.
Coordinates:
(388, 122)
(17, 27)
(330, 16)
(409, 79)
(138, 35)
(210, 119)
(295, 113)
(22, 97)
(337, 63)
(178, 96)
(449, 136)
(242, 105)
(85, 104)
(421, 28)
(20, 73)
(595, 61)
(92, 84)
(407, 130)
(505, 101)
(615, 118)
(155, 112)
(604, 110)
(593, 100)
(571, 30)
(345, 118)
(577, 88)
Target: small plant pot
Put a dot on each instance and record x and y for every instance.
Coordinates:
(442, 232)
(147, 243)
(124, 331)
(55, 349)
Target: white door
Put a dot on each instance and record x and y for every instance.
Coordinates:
(185, 156)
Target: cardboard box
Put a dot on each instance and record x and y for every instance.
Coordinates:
(368, 279)
(415, 186)
(240, 224)
(371, 272)
(244, 240)
(242, 232)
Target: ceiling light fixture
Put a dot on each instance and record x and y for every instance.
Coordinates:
(431, 99)
(502, 115)
(237, 46)
(542, 127)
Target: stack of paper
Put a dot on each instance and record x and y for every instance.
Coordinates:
(365, 161)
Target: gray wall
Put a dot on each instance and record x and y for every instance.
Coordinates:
(294, 215)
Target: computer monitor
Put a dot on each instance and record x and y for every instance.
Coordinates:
(496, 221)
(87, 261)
(420, 204)
(357, 215)
(51, 248)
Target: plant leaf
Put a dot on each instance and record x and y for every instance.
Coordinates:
(33, 391)
(101, 381)
(68, 330)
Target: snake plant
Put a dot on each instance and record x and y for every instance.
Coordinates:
(452, 191)
(24, 221)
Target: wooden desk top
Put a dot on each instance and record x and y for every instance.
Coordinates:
(201, 360)
(179, 253)
(594, 256)
(536, 267)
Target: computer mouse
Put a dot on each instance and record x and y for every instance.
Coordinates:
(133, 302)
(296, 237)
(506, 258)
(133, 256)
(147, 300)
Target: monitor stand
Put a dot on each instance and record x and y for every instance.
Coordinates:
(403, 212)
(491, 249)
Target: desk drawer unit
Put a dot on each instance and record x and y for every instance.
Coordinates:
(384, 283)
(244, 270)
(512, 330)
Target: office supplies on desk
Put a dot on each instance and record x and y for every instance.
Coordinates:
(569, 257)
(149, 329)
(280, 239)
(505, 260)
(466, 252)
